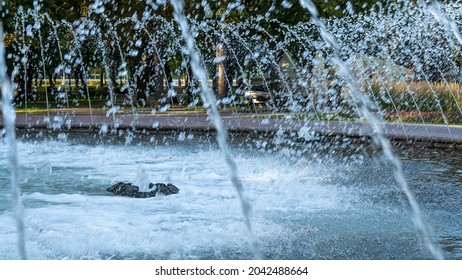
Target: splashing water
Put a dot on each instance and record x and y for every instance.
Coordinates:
(363, 103)
(255, 51)
(210, 102)
(9, 122)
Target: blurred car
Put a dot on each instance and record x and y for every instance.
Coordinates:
(257, 95)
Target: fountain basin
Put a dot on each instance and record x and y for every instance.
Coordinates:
(339, 204)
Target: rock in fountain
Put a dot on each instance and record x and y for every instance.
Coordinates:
(127, 189)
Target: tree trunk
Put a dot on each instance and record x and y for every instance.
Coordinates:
(158, 76)
(220, 76)
(101, 77)
(76, 77)
(274, 79)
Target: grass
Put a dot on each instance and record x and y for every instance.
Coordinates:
(417, 102)
(409, 102)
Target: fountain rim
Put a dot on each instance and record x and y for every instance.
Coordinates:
(66, 120)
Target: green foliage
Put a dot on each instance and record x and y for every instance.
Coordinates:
(139, 41)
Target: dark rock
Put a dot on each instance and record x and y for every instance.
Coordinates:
(165, 189)
(127, 189)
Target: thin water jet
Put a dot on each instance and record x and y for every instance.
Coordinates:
(9, 123)
(210, 102)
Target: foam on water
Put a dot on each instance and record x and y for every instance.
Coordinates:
(302, 208)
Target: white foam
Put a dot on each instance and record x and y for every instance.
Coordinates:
(205, 215)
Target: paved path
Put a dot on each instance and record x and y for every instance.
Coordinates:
(243, 122)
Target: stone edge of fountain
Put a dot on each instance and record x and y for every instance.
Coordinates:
(437, 135)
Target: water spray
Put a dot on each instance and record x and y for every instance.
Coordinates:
(363, 102)
(210, 102)
(9, 122)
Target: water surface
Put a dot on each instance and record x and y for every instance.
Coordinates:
(308, 206)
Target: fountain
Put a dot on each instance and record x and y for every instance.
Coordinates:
(335, 164)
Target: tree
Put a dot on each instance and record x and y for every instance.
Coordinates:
(138, 41)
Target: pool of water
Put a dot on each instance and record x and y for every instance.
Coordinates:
(307, 206)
